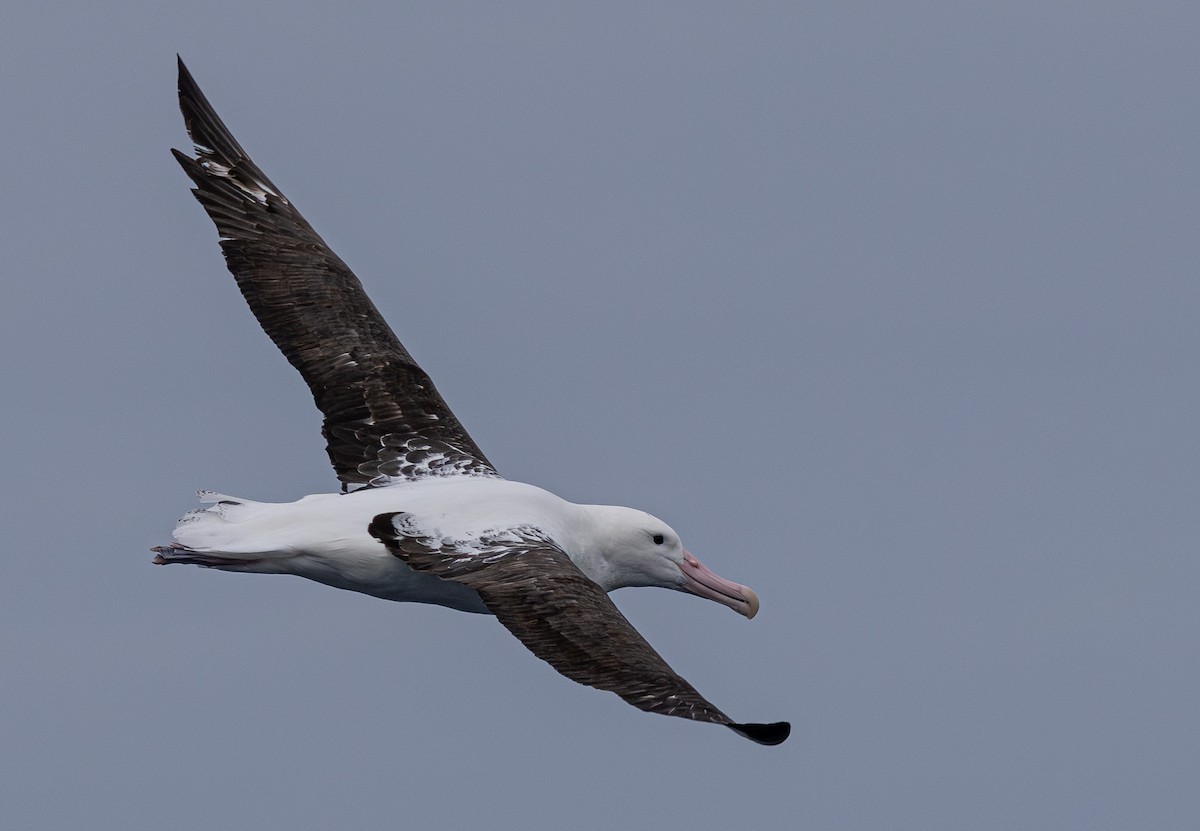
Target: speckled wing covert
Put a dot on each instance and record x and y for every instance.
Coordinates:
(562, 616)
(384, 419)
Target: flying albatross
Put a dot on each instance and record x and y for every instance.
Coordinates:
(423, 516)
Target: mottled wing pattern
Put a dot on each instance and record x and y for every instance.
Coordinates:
(384, 419)
(562, 616)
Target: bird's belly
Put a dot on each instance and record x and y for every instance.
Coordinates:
(385, 577)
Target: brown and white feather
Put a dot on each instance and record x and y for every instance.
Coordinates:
(384, 419)
(563, 617)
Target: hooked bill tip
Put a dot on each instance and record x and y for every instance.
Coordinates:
(751, 602)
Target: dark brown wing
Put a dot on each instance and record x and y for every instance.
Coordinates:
(566, 619)
(384, 419)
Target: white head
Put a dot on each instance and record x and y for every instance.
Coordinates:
(632, 548)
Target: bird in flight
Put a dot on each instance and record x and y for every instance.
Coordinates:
(422, 515)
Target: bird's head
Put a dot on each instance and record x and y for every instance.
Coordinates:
(637, 549)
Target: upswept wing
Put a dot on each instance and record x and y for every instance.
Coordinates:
(384, 419)
(562, 616)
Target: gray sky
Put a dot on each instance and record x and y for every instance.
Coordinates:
(890, 309)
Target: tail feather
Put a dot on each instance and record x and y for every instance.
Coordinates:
(227, 533)
(205, 497)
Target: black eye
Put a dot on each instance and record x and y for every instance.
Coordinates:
(658, 539)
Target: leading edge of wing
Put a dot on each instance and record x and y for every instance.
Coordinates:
(384, 419)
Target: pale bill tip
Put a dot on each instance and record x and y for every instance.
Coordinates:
(751, 602)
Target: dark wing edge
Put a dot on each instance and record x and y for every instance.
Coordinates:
(384, 419)
(562, 616)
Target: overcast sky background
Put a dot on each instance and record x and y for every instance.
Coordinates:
(890, 309)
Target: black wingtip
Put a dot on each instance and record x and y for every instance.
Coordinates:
(186, 81)
(769, 734)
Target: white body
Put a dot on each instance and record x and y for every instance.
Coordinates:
(324, 536)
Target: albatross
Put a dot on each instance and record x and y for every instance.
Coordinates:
(422, 515)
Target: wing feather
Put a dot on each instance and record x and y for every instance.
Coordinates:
(562, 616)
(384, 419)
